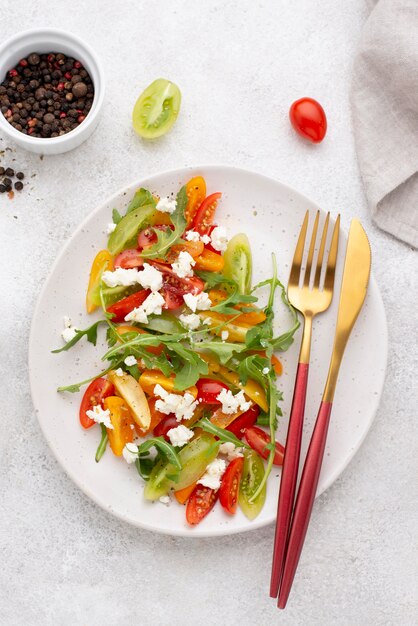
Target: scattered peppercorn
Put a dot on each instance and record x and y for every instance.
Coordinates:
(7, 181)
(19, 185)
(9, 172)
(2, 188)
(6, 185)
(20, 175)
(37, 95)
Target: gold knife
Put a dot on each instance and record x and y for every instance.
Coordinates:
(353, 293)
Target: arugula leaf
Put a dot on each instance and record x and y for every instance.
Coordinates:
(90, 333)
(164, 447)
(226, 307)
(252, 367)
(141, 198)
(221, 433)
(223, 350)
(188, 367)
(212, 279)
(116, 216)
(102, 445)
(167, 238)
(145, 465)
(157, 362)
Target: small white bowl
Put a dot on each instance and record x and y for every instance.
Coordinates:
(43, 40)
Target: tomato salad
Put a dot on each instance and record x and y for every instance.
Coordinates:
(189, 392)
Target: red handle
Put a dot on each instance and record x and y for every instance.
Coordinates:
(289, 476)
(305, 500)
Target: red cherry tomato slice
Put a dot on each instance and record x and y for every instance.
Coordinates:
(206, 213)
(200, 503)
(258, 439)
(244, 421)
(95, 393)
(208, 390)
(166, 424)
(192, 284)
(121, 309)
(129, 259)
(228, 492)
(209, 246)
(173, 298)
(148, 237)
(308, 119)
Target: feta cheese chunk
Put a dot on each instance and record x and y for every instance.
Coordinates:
(266, 370)
(110, 228)
(69, 331)
(130, 452)
(224, 335)
(148, 277)
(153, 305)
(205, 239)
(201, 302)
(230, 403)
(130, 360)
(100, 416)
(193, 235)
(166, 205)
(165, 500)
(230, 450)
(183, 266)
(191, 322)
(119, 372)
(213, 475)
(179, 435)
(219, 239)
(182, 406)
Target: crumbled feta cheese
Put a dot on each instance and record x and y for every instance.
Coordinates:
(183, 266)
(266, 370)
(110, 228)
(119, 372)
(130, 452)
(230, 450)
(165, 500)
(100, 416)
(130, 360)
(151, 306)
(224, 335)
(179, 435)
(182, 406)
(214, 472)
(205, 239)
(69, 331)
(191, 322)
(219, 239)
(192, 235)
(166, 205)
(201, 302)
(149, 277)
(207, 321)
(230, 403)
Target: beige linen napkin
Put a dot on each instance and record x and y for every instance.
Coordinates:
(385, 116)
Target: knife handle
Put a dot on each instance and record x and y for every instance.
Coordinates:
(305, 500)
(289, 476)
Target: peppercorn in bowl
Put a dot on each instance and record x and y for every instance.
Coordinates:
(51, 90)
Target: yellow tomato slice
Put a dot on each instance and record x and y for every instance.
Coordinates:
(102, 261)
(131, 391)
(209, 261)
(196, 193)
(150, 378)
(122, 422)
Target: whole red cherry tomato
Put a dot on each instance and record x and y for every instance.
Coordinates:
(308, 119)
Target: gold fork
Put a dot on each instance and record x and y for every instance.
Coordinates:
(309, 301)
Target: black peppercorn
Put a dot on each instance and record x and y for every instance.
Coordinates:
(9, 171)
(2, 188)
(18, 185)
(7, 181)
(1, 171)
(20, 175)
(34, 59)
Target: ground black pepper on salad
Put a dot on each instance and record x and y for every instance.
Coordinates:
(189, 391)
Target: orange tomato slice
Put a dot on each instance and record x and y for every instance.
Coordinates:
(102, 261)
(123, 424)
(196, 193)
(209, 261)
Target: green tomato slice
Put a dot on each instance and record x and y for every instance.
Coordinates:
(165, 323)
(194, 458)
(125, 233)
(156, 109)
(238, 262)
(252, 474)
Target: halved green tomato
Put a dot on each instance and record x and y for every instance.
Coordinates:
(238, 262)
(252, 474)
(156, 109)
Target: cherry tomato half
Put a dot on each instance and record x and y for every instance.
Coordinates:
(200, 503)
(308, 119)
(147, 237)
(129, 259)
(156, 109)
(205, 215)
(167, 423)
(196, 192)
(173, 298)
(228, 492)
(258, 439)
(95, 393)
(191, 284)
(208, 390)
(121, 309)
(244, 421)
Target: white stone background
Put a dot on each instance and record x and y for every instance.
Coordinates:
(239, 64)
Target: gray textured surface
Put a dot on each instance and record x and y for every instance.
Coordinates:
(65, 561)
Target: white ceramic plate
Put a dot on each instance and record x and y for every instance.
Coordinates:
(271, 214)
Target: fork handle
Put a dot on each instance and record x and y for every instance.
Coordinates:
(305, 500)
(289, 476)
